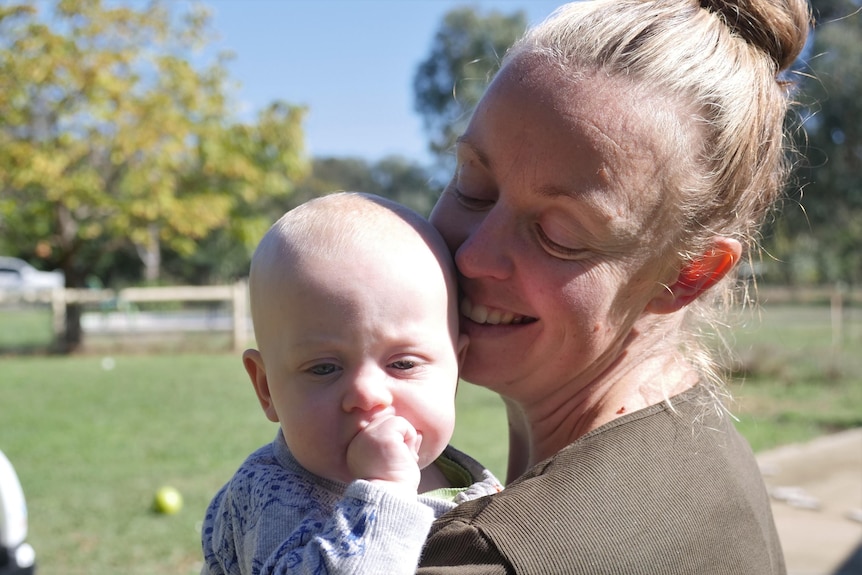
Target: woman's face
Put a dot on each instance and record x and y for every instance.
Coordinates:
(557, 222)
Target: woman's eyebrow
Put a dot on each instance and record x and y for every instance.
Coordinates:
(462, 141)
(551, 191)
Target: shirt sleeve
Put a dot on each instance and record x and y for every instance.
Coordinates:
(370, 531)
(456, 547)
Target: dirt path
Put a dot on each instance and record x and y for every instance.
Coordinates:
(816, 493)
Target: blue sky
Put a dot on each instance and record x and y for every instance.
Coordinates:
(350, 61)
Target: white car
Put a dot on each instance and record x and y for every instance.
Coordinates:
(19, 276)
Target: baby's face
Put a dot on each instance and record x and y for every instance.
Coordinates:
(359, 340)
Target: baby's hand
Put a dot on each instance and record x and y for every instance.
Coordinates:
(386, 451)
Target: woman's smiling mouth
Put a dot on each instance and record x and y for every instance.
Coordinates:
(483, 315)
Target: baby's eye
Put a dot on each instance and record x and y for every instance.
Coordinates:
(323, 369)
(403, 364)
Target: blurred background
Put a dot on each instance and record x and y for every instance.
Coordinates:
(145, 147)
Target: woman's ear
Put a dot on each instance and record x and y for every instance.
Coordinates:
(698, 276)
(254, 366)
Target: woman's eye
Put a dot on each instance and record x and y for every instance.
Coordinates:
(324, 369)
(558, 250)
(468, 201)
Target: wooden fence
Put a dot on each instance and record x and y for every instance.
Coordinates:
(234, 296)
(837, 295)
(838, 298)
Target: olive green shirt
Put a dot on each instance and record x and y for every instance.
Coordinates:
(660, 491)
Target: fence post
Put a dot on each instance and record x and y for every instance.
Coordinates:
(836, 308)
(240, 315)
(58, 314)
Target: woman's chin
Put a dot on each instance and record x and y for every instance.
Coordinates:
(497, 351)
(486, 367)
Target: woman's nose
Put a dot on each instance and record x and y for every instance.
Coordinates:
(367, 390)
(486, 248)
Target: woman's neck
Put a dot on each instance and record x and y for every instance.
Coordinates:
(540, 429)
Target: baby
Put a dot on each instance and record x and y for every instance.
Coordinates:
(354, 304)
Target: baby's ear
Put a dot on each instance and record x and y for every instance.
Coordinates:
(254, 366)
(697, 276)
(463, 342)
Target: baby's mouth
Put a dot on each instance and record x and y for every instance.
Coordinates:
(481, 314)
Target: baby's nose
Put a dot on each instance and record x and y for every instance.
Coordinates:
(367, 390)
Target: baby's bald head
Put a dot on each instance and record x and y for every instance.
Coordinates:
(342, 231)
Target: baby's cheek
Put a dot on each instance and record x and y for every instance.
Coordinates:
(434, 441)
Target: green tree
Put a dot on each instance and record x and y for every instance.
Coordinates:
(405, 182)
(465, 54)
(818, 235)
(258, 166)
(111, 138)
(393, 177)
(224, 255)
(331, 174)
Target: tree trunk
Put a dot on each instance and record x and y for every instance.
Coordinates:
(151, 255)
(73, 337)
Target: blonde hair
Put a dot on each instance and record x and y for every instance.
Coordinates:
(721, 65)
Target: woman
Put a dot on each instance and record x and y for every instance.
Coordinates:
(610, 179)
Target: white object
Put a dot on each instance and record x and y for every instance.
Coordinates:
(13, 508)
(796, 497)
(18, 276)
(24, 556)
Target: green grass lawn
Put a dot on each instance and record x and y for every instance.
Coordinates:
(92, 445)
(26, 327)
(794, 381)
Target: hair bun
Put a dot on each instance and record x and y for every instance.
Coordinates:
(778, 27)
